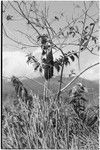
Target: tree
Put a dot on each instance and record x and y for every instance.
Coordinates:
(70, 36)
(81, 32)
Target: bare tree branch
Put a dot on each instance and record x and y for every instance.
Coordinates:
(29, 38)
(19, 43)
(78, 76)
(22, 14)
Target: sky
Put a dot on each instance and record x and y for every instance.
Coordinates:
(14, 58)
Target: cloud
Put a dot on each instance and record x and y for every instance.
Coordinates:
(14, 63)
(92, 74)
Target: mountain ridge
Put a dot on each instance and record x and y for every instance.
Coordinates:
(36, 85)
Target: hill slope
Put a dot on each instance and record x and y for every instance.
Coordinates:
(36, 85)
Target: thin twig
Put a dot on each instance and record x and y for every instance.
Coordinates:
(20, 43)
(23, 15)
(78, 76)
(84, 22)
(29, 37)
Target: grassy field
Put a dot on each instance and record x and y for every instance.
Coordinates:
(36, 122)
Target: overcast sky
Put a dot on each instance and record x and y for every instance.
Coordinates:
(14, 58)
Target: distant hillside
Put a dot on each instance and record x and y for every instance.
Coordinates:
(36, 85)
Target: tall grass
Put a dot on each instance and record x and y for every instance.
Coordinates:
(41, 125)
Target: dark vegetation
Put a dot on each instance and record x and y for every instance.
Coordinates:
(51, 113)
(32, 123)
(31, 84)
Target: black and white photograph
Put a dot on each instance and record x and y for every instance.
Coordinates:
(50, 74)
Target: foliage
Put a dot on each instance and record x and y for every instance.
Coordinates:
(37, 127)
(31, 122)
(80, 31)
